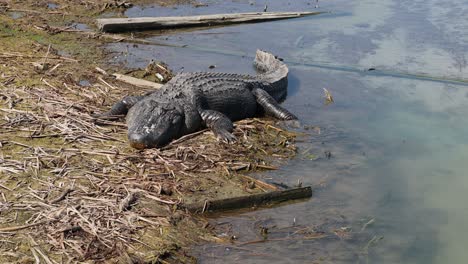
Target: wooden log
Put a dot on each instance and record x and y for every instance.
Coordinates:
(254, 200)
(147, 23)
(136, 81)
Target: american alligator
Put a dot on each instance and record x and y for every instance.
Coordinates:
(191, 101)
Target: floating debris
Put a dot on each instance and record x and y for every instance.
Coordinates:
(160, 77)
(116, 4)
(153, 23)
(196, 5)
(328, 97)
(158, 69)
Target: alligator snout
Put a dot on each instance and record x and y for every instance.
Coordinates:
(137, 141)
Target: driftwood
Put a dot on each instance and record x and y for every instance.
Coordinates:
(254, 200)
(136, 81)
(147, 23)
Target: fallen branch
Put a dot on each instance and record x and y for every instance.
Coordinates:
(183, 138)
(20, 55)
(137, 82)
(17, 228)
(255, 200)
(120, 38)
(62, 195)
(147, 23)
(260, 183)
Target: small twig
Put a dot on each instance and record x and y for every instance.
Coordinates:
(62, 195)
(16, 54)
(101, 71)
(54, 68)
(50, 85)
(184, 138)
(370, 222)
(106, 83)
(47, 54)
(36, 257)
(159, 199)
(36, 247)
(4, 187)
(17, 228)
(260, 183)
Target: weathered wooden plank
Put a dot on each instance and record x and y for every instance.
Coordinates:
(147, 23)
(254, 200)
(136, 81)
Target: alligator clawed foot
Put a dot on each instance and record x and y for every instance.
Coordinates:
(226, 137)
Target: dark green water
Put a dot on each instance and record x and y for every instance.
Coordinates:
(399, 143)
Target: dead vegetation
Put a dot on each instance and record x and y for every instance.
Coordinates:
(71, 189)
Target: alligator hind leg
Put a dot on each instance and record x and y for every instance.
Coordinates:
(121, 107)
(220, 124)
(271, 106)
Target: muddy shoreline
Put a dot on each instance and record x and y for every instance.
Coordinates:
(72, 190)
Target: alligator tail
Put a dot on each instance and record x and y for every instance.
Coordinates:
(273, 71)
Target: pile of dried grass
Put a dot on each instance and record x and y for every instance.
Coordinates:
(72, 190)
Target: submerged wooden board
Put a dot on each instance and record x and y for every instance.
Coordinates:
(254, 200)
(147, 23)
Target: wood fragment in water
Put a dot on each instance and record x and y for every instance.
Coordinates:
(260, 183)
(147, 23)
(328, 97)
(250, 200)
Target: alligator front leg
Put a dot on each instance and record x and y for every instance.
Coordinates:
(220, 124)
(271, 106)
(121, 107)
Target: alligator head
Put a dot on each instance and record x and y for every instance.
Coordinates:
(153, 124)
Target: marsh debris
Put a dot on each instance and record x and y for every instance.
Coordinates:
(158, 69)
(328, 97)
(83, 194)
(116, 4)
(72, 189)
(114, 25)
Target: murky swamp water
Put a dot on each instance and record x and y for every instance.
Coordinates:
(395, 187)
